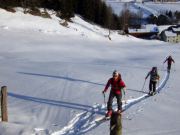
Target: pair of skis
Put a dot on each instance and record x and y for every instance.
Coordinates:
(102, 119)
(106, 118)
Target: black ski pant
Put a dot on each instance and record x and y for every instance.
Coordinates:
(110, 101)
(169, 67)
(152, 86)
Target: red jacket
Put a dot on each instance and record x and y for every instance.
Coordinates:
(116, 86)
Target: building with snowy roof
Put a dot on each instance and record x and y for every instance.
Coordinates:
(176, 29)
(172, 34)
(146, 31)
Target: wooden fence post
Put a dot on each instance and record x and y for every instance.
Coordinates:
(4, 103)
(116, 124)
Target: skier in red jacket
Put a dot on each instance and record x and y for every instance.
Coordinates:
(117, 85)
(169, 61)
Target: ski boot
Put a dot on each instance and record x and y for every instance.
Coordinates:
(119, 111)
(108, 114)
(154, 92)
(151, 93)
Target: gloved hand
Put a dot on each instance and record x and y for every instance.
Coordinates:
(103, 92)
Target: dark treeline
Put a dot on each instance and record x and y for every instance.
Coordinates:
(95, 11)
(165, 18)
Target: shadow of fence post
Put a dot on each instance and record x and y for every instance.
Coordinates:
(116, 124)
(4, 114)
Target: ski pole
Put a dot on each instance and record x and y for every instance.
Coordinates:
(163, 67)
(174, 67)
(158, 86)
(124, 95)
(104, 98)
(143, 86)
(124, 99)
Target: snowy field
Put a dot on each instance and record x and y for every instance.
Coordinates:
(55, 76)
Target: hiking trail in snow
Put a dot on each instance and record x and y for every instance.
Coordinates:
(92, 118)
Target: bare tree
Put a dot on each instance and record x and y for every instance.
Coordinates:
(125, 15)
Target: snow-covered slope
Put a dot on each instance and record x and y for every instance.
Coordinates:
(55, 76)
(164, 6)
(146, 8)
(27, 22)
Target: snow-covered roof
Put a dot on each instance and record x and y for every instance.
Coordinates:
(145, 28)
(152, 27)
(176, 29)
(170, 34)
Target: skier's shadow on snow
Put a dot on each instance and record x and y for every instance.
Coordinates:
(64, 104)
(61, 77)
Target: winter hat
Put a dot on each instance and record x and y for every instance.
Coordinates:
(154, 69)
(115, 73)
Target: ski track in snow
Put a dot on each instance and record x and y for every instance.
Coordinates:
(146, 9)
(92, 118)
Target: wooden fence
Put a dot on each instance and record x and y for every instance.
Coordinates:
(3, 104)
(116, 124)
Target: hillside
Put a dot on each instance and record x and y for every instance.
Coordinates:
(55, 76)
(146, 8)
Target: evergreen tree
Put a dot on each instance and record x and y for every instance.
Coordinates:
(163, 20)
(67, 9)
